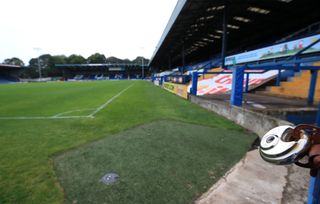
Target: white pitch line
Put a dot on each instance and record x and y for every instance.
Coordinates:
(76, 116)
(25, 118)
(109, 101)
(41, 117)
(60, 114)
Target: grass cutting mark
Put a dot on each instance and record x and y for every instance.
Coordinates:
(62, 115)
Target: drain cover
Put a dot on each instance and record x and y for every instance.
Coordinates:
(110, 178)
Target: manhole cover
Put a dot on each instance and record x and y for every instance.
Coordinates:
(110, 178)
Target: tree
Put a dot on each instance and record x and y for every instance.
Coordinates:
(32, 70)
(113, 60)
(45, 61)
(126, 61)
(76, 59)
(140, 59)
(47, 66)
(14, 61)
(48, 62)
(57, 59)
(97, 58)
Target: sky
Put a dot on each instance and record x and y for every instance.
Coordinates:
(120, 28)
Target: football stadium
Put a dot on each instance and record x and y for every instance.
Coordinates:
(225, 111)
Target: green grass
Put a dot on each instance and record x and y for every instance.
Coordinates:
(27, 146)
(161, 162)
(50, 99)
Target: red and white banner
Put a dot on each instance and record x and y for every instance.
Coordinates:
(222, 83)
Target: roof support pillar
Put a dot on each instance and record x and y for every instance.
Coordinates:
(314, 182)
(64, 74)
(224, 34)
(194, 87)
(314, 188)
(247, 82)
(161, 80)
(278, 78)
(237, 86)
(312, 88)
(183, 58)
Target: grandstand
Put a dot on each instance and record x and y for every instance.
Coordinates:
(9, 73)
(253, 62)
(215, 41)
(103, 71)
(195, 34)
(216, 61)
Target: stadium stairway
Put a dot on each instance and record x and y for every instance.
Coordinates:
(296, 87)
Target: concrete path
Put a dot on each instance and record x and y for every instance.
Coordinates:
(253, 180)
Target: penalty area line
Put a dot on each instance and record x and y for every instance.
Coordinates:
(109, 101)
(60, 115)
(42, 117)
(72, 111)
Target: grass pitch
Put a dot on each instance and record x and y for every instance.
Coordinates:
(160, 162)
(28, 145)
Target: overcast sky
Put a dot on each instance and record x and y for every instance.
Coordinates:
(121, 28)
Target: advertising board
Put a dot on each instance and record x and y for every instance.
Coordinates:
(178, 89)
(276, 51)
(222, 83)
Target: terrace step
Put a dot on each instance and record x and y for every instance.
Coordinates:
(296, 87)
